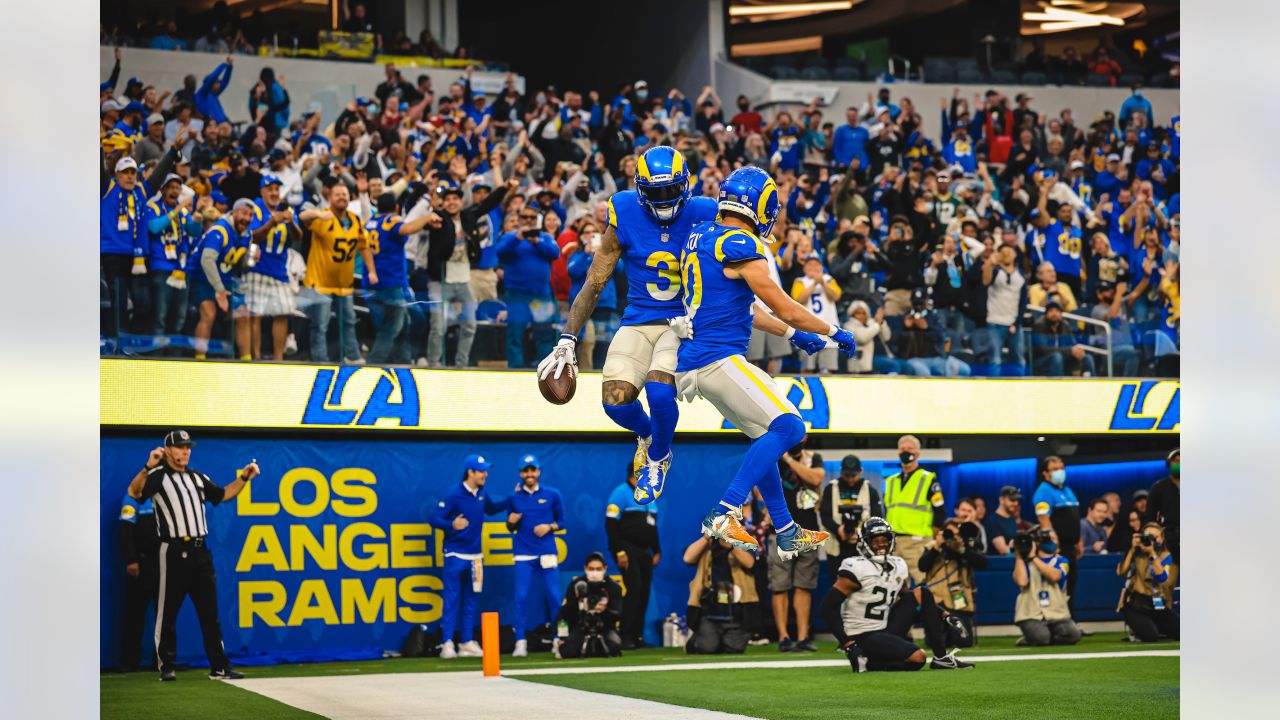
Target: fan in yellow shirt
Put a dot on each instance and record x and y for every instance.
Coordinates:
(336, 236)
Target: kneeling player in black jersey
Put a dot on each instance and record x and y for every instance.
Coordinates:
(873, 608)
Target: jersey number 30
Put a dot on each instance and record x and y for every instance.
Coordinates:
(668, 268)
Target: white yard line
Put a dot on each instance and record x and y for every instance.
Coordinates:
(823, 663)
(453, 695)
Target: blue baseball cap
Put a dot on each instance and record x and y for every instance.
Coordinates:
(270, 180)
(530, 460)
(477, 462)
(135, 106)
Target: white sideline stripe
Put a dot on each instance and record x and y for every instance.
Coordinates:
(824, 663)
(453, 695)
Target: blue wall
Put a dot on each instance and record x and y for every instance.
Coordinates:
(411, 476)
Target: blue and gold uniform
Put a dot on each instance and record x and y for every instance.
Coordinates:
(273, 258)
(231, 246)
(651, 255)
(1056, 245)
(720, 307)
(387, 245)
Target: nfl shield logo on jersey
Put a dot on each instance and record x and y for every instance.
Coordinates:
(666, 237)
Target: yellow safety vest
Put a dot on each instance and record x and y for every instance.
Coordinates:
(906, 505)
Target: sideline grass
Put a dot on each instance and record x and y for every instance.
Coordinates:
(1111, 688)
(140, 696)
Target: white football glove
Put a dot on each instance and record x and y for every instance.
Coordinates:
(683, 326)
(564, 353)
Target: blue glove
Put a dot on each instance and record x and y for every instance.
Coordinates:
(808, 342)
(844, 340)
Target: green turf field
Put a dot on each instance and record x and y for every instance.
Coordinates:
(1109, 687)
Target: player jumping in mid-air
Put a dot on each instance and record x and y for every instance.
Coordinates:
(726, 267)
(873, 608)
(648, 226)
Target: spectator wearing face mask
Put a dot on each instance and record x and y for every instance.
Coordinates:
(1165, 501)
(1058, 510)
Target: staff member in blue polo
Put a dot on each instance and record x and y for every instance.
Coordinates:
(632, 529)
(460, 517)
(1057, 509)
(536, 513)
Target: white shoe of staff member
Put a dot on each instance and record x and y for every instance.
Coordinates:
(447, 652)
(522, 649)
(470, 649)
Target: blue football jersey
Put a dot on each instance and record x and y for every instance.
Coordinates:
(230, 246)
(651, 255)
(273, 251)
(721, 308)
(387, 245)
(1058, 246)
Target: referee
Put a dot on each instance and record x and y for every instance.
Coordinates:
(186, 566)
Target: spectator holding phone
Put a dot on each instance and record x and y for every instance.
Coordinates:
(526, 257)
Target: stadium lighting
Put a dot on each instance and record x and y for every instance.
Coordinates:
(1057, 18)
(814, 7)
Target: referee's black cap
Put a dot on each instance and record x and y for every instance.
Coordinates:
(178, 438)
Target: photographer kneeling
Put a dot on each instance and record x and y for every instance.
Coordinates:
(948, 565)
(1147, 598)
(1041, 610)
(592, 607)
(720, 586)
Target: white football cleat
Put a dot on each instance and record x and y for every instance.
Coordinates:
(447, 651)
(470, 649)
(522, 649)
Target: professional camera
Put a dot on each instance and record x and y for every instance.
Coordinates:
(849, 519)
(592, 625)
(589, 595)
(1147, 540)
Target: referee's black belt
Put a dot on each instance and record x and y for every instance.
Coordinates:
(185, 540)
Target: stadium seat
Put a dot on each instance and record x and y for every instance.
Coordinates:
(1003, 77)
(487, 310)
(814, 61)
(1098, 80)
(969, 76)
(1034, 78)
(1129, 79)
(783, 72)
(815, 72)
(847, 61)
(940, 74)
(848, 74)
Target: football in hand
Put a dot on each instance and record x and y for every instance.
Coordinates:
(560, 390)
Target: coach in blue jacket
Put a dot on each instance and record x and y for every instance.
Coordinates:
(460, 517)
(536, 513)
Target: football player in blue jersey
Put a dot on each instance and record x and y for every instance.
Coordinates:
(646, 228)
(725, 268)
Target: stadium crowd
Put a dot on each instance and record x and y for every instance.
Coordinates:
(447, 226)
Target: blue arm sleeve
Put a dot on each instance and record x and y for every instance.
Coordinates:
(547, 247)
(157, 223)
(791, 203)
(194, 226)
(226, 77)
(946, 125)
(557, 510)
(579, 263)
(209, 79)
(442, 519)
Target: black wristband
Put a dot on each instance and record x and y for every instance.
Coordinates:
(568, 336)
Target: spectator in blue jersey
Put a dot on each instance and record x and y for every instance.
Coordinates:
(167, 38)
(784, 136)
(460, 517)
(1110, 180)
(849, 141)
(309, 139)
(274, 230)
(173, 230)
(604, 318)
(207, 99)
(122, 243)
(1050, 242)
(131, 120)
(388, 297)
(450, 144)
(526, 256)
(269, 103)
(536, 513)
(1156, 168)
(1135, 103)
(958, 150)
(213, 288)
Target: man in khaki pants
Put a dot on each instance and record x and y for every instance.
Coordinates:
(913, 505)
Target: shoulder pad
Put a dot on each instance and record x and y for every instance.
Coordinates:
(738, 245)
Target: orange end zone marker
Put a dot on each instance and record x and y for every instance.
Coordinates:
(489, 642)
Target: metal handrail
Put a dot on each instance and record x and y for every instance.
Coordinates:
(1106, 328)
(906, 75)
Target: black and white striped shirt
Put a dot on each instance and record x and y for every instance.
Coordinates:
(179, 499)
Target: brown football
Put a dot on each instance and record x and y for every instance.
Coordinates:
(560, 391)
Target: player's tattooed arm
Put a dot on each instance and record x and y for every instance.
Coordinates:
(598, 275)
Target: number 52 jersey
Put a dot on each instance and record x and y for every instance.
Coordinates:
(867, 609)
(651, 255)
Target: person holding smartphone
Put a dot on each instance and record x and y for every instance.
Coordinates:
(526, 255)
